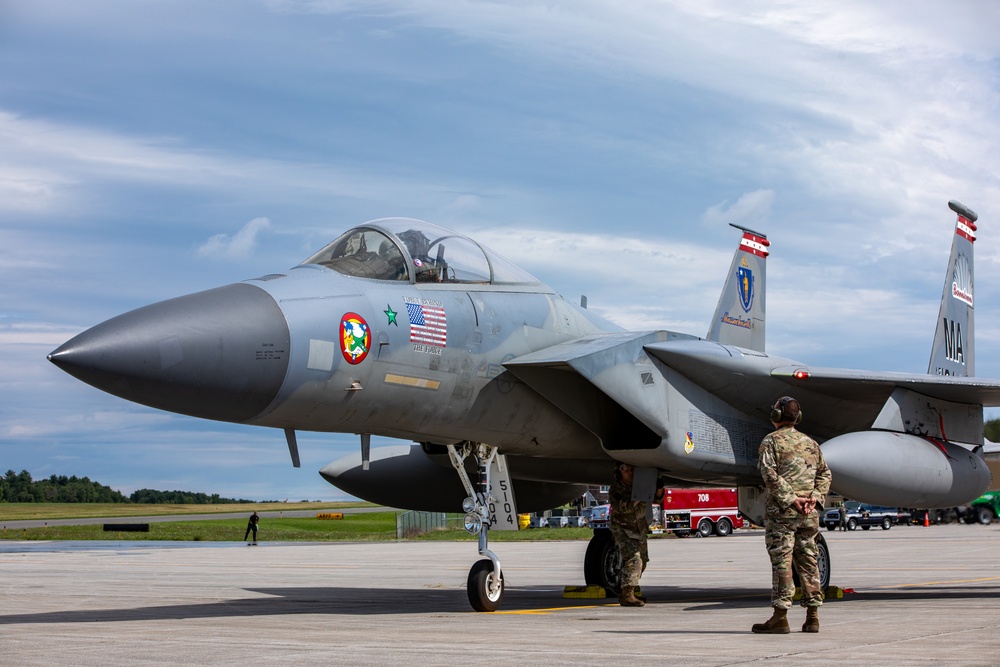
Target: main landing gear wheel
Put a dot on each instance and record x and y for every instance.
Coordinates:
(602, 566)
(822, 564)
(485, 593)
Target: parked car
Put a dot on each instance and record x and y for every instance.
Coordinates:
(862, 515)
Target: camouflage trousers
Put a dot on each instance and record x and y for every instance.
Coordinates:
(788, 541)
(634, 555)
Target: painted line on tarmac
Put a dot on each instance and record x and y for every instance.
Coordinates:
(551, 610)
(943, 583)
(528, 612)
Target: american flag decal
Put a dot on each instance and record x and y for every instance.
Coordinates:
(428, 323)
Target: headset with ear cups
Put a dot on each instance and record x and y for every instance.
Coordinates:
(779, 415)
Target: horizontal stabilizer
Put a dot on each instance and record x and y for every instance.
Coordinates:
(855, 384)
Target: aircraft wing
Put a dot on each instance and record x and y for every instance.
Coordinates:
(836, 400)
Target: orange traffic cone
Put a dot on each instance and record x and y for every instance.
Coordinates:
(927, 519)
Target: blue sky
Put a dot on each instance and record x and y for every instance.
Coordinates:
(150, 149)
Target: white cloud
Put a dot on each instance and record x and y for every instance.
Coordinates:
(753, 208)
(237, 246)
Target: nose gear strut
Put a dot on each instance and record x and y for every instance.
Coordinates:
(490, 505)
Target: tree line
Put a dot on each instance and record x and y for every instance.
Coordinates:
(20, 488)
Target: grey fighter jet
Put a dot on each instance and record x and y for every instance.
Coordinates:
(517, 399)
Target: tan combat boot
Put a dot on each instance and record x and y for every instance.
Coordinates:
(628, 598)
(812, 620)
(776, 625)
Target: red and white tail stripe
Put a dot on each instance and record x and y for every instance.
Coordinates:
(754, 244)
(966, 228)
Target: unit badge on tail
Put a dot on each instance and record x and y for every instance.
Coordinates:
(745, 286)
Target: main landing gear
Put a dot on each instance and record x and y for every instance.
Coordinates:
(602, 565)
(490, 503)
(822, 564)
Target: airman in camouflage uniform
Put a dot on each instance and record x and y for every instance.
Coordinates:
(629, 526)
(797, 479)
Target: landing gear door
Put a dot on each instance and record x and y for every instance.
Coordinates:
(503, 510)
(751, 503)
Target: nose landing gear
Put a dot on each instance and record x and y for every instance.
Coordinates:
(490, 505)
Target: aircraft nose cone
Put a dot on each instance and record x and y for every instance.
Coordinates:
(220, 354)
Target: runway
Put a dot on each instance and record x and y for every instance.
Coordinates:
(921, 596)
(165, 518)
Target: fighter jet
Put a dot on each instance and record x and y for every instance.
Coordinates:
(517, 399)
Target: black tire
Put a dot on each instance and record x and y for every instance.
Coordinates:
(865, 527)
(886, 523)
(984, 515)
(482, 595)
(852, 524)
(682, 533)
(705, 527)
(822, 564)
(831, 526)
(602, 564)
(723, 527)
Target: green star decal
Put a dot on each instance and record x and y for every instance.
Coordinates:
(391, 314)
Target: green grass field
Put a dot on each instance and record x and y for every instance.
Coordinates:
(363, 527)
(43, 511)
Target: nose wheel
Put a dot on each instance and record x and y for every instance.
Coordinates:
(484, 587)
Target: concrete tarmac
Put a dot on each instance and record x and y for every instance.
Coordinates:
(918, 596)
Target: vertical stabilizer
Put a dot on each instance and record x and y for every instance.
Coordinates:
(739, 317)
(953, 349)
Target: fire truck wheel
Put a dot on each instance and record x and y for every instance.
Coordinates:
(723, 527)
(705, 527)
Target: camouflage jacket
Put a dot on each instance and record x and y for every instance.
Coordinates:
(625, 514)
(792, 465)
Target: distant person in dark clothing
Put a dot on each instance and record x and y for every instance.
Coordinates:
(252, 527)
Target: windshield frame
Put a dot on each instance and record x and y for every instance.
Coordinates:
(475, 265)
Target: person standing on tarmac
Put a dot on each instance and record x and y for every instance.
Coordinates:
(797, 479)
(629, 526)
(252, 526)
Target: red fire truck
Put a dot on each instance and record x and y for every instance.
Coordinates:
(702, 511)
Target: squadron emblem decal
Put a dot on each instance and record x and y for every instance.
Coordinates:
(688, 443)
(744, 283)
(355, 338)
(961, 280)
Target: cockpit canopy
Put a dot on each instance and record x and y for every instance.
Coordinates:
(408, 250)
